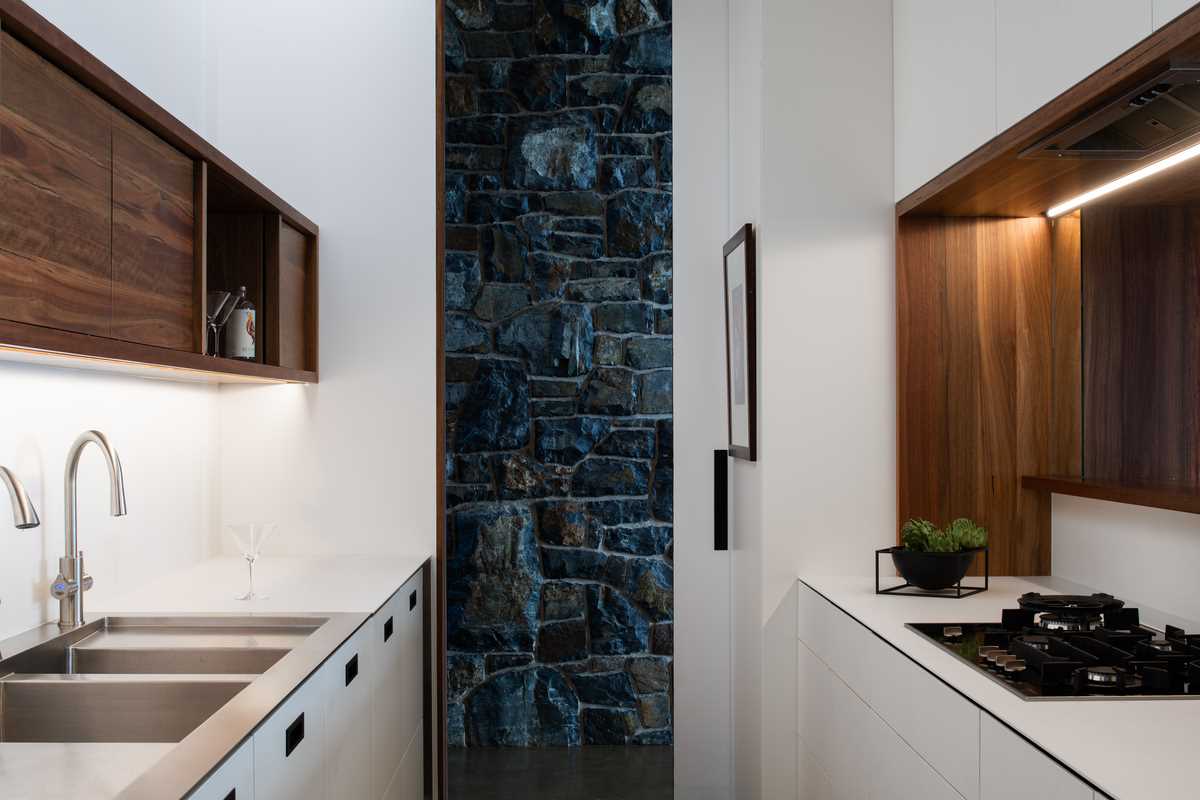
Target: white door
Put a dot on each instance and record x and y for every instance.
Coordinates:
(703, 753)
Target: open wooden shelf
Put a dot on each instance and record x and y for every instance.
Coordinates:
(1173, 498)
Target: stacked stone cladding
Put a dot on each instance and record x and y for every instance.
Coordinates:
(558, 371)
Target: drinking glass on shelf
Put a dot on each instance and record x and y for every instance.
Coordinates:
(250, 538)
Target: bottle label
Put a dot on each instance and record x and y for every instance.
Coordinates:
(240, 334)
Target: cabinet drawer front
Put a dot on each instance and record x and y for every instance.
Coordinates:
(233, 780)
(932, 718)
(289, 748)
(408, 781)
(346, 680)
(1010, 765)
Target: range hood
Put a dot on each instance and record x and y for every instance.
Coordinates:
(1159, 113)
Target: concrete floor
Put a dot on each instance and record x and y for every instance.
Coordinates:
(566, 773)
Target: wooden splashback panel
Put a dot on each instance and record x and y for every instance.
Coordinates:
(1141, 345)
(978, 363)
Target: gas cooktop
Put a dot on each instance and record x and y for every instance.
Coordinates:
(1076, 646)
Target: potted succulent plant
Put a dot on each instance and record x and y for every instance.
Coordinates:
(937, 558)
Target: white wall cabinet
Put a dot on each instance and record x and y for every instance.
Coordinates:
(965, 71)
(1010, 765)
(944, 82)
(1167, 10)
(1044, 48)
(352, 731)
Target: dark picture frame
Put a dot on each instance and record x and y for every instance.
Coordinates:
(741, 344)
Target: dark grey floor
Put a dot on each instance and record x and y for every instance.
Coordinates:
(567, 773)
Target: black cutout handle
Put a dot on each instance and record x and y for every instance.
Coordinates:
(232, 795)
(412, 600)
(294, 735)
(720, 499)
(387, 629)
(352, 669)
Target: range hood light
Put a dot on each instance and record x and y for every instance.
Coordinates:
(1125, 180)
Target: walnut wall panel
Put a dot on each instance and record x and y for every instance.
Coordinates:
(154, 290)
(55, 181)
(1141, 345)
(976, 369)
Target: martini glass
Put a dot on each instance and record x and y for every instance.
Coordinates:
(250, 538)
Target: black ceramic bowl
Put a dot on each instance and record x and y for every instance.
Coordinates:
(932, 571)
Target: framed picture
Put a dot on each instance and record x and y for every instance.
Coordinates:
(741, 376)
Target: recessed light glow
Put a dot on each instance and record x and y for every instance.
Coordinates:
(1125, 180)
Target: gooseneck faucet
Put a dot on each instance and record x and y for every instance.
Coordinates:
(24, 514)
(72, 581)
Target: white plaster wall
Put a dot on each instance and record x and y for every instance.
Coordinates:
(701, 151)
(332, 106)
(1146, 556)
(812, 166)
(164, 433)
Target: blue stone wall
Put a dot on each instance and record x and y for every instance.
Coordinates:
(558, 371)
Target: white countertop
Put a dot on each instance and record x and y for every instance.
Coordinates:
(333, 584)
(1129, 749)
(292, 584)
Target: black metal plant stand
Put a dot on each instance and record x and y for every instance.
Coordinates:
(954, 592)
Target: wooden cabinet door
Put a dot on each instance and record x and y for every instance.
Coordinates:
(55, 197)
(154, 298)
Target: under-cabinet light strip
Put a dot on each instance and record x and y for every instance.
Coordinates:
(1125, 180)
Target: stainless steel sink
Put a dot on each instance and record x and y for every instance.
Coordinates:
(165, 646)
(137, 679)
(74, 708)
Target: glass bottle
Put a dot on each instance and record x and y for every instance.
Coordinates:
(240, 329)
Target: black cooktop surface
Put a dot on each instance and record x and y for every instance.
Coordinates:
(1070, 646)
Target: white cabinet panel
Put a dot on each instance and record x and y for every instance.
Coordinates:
(1010, 765)
(1167, 10)
(1044, 47)
(289, 748)
(233, 780)
(398, 681)
(938, 723)
(346, 683)
(945, 84)
(408, 782)
(897, 772)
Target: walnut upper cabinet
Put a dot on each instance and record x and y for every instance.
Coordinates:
(153, 237)
(56, 190)
(116, 220)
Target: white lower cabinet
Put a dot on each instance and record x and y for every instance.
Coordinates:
(352, 731)
(938, 724)
(1010, 765)
(849, 751)
(346, 679)
(396, 707)
(233, 780)
(289, 748)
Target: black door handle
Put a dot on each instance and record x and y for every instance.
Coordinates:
(232, 795)
(294, 735)
(720, 499)
(387, 629)
(412, 600)
(352, 669)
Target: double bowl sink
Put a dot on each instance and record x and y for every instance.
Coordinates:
(134, 678)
